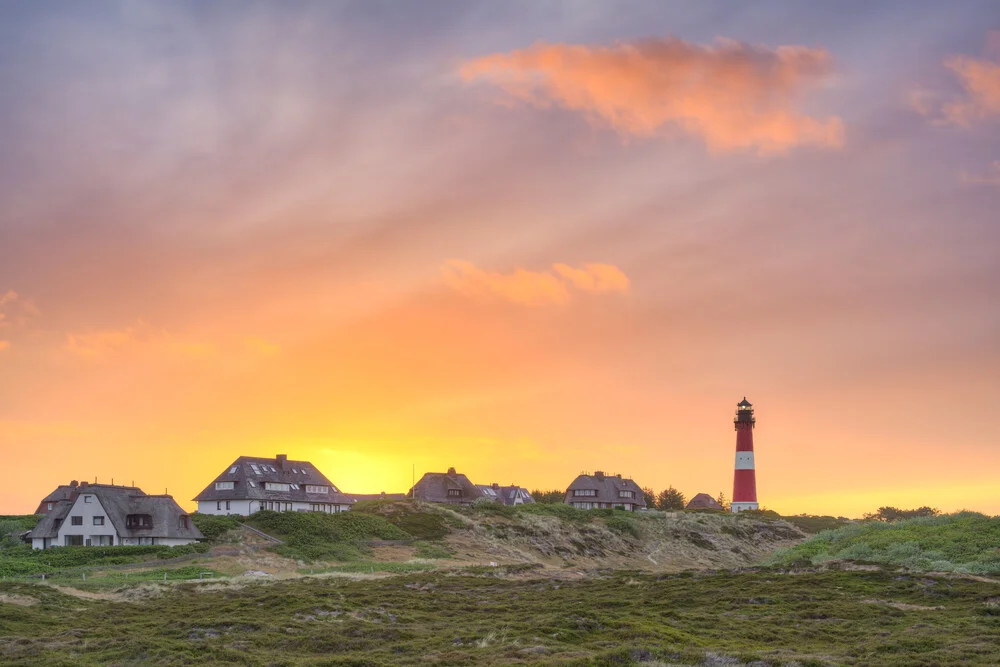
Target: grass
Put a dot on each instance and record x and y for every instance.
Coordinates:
(214, 526)
(313, 536)
(822, 617)
(23, 560)
(372, 567)
(966, 542)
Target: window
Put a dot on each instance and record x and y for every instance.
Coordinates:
(49, 506)
(454, 493)
(138, 521)
(147, 541)
(218, 505)
(102, 540)
(275, 486)
(76, 520)
(626, 494)
(58, 523)
(316, 488)
(227, 504)
(252, 483)
(295, 470)
(74, 540)
(585, 492)
(98, 520)
(293, 486)
(224, 486)
(182, 522)
(273, 469)
(232, 471)
(256, 470)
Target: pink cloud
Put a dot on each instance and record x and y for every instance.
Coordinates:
(731, 95)
(981, 80)
(534, 288)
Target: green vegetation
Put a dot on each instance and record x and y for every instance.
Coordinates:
(312, 536)
(965, 542)
(432, 550)
(548, 497)
(810, 618)
(623, 525)
(214, 526)
(23, 560)
(11, 528)
(372, 567)
(420, 521)
(670, 499)
(813, 524)
(895, 514)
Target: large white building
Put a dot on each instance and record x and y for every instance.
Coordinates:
(109, 515)
(252, 484)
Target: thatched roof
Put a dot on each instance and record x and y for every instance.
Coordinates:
(119, 502)
(608, 487)
(445, 487)
(249, 474)
(703, 501)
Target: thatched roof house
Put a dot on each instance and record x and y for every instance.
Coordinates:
(508, 495)
(600, 491)
(703, 501)
(445, 487)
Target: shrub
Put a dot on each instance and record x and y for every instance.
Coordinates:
(623, 525)
(214, 526)
(314, 536)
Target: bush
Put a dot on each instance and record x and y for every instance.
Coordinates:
(24, 560)
(407, 516)
(964, 542)
(623, 525)
(314, 536)
(213, 526)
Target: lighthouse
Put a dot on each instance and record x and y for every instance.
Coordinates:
(744, 481)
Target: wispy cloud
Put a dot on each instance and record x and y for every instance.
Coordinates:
(990, 177)
(534, 288)
(15, 311)
(730, 94)
(104, 342)
(980, 79)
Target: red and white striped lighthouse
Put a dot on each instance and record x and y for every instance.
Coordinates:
(744, 481)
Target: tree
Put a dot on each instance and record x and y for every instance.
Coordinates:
(722, 500)
(890, 514)
(670, 499)
(548, 497)
(649, 495)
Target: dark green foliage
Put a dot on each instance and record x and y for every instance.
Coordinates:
(649, 495)
(890, 514)
(964, 542)
(408, 516)
(23, 560)
(670, 499)
(214, 526)
(623, 525)
(549, 497)
(312, 536)
(491, 508)
(12, 526)
(504, 616)
(562, 511)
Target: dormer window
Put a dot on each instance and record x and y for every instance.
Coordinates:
(86, 499)
(232, 471)
(626, 494)
(454, 493)
(138, 521)
(585, 492)
(224, 486)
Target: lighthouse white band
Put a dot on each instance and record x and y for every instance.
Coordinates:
(744, 460)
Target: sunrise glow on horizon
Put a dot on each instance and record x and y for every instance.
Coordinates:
(523, 240)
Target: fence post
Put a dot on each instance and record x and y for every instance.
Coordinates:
(84, 576)
(164, 576)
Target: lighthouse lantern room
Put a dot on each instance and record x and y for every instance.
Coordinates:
(744, 480)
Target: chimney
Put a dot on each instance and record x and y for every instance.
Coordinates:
(281, 458)
(599, 474)
(495, 485)
(74, 484)
(619, 475)
(451, 471)
(83, 484)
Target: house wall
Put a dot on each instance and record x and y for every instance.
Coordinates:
(248, 507)
(87, 510)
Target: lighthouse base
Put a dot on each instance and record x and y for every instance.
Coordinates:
(739, 507)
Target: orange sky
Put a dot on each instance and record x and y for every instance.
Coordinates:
(523, 246)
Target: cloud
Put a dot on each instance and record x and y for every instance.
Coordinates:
(990, 177)
(4, 344)
(15, 310)
(534, 288)
(981, 80)
(730, 94)
(104, 342)
(595, 278)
